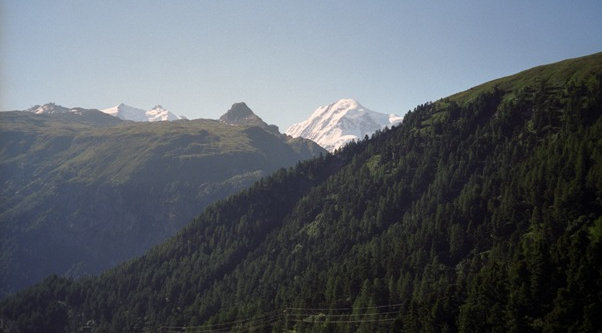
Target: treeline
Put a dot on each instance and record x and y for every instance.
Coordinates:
(475, 214)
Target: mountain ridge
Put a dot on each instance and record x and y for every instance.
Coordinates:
(121, 111)
(133, 183)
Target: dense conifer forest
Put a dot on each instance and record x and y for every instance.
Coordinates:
(481, 212)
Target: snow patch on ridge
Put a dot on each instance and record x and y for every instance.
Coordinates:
(50, 108)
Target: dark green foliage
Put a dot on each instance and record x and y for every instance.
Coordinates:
(479, 213)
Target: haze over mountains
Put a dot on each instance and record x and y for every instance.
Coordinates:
(480, 212)
(334, 125)
(83, 190)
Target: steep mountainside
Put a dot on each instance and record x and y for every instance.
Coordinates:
(81, 192)
(332, 126)
(481, 212)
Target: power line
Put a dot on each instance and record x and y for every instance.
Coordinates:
(346, 321)
(343, 314)
(295, 315)
(265, 315)
(343, 318)
(263, 320)
(348, 308)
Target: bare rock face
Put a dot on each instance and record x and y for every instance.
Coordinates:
(241, 114)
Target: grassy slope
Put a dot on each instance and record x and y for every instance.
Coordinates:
(79, 196)
(554, 75)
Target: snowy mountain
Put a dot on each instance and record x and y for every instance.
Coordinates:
(159, 113)
(51, 108)
(126, 112)
(79, 115)
(332, 126)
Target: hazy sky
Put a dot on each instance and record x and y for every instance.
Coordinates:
(283, 58)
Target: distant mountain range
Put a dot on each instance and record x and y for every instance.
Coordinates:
(121, 111)
(82, 190)
(331, 126)
(334, 125)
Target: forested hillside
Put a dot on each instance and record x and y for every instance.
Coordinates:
(84, 191)
(480, 212)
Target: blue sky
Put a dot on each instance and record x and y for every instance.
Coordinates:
(283, 58)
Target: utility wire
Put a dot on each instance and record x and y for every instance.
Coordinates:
(293, 315)
(345, 321)
(342, 314)
(342, 309)
(263, 320)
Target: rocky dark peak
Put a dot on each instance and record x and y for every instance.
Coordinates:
(241, 114)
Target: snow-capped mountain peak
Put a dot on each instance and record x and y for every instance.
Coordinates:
(50, 108)
(159, 113)
(334, 125)
(126, 112)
